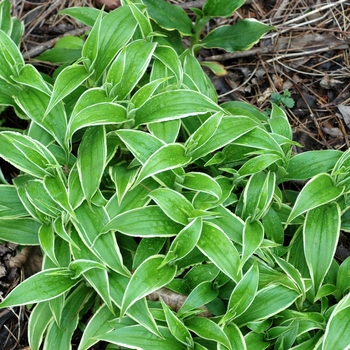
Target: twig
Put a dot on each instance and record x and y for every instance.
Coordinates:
(36, 51)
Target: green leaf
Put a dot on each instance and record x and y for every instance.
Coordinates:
(19, 230)
(215, 244)
(147, 278)
(170, 59)
(66, 50)
(89, 223)
(117, 27)
(253, 236)
(139, 311)
(103, 113)
(258, 164)
(279, 122)
(207, 329)
(47, 242)
(321, 234)
(40, 318)
(242, 295)
(343, 276)
(146, 248)
(167, 131)
(137, 337)
(170, 156)
(142, 18)
(85, 15)
(56, 188)
(98, 324)
(5, 16)
(44, 285)
(314, 195)
(257, 195)
(305, 165)
(230, 38)
(62, 336)
(222, 8)
(11, 59)
(185, 241)
(229, 129)
(174, 104)
(26, 154)
(174, 204)
(91, 160)
(67, 81)
(10, 203)
(30, 76)
(129, 67)
(169, 16)
(201, 182)
(201, 295)
(147, 221)
(338, 326)
(262, 308)
(33, 102)
(176, 327)
(235, 336)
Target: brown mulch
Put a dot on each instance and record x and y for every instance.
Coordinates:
(308, 55)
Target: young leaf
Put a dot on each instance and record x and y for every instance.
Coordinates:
(44, 285)
(56, 188)
(185, 241)
(217, 247)
(253, 236)
(167, 131)
(242, 295)
(62, 336)
(208, 329)
(91, 160)
(137, 337)
(20, 230)
(47, 242)
(168, 157)
(129, 67)
(10, 203)
(343, 277)
(174, 204)
(169, 16)
(337, 326)
(230, 38)
(201, 182)
(147, 221)
(262, 308)
(316, 162)
(313, 195)
(221, 8)
(103, 113)
(67, 81)
(142, 18)
(176, 327)
(142, 145)
(230, 128)
(258, 164)
(26, 154)
(235, 336)
(147, 278)
(202, 294)
(169, 58)
(118, 27)
(40, 318)
(174, 104)
(321, 233)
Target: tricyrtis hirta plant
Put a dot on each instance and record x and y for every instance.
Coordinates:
(165, 217)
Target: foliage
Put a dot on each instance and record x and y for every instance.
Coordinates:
(136, 183)
(284, 99)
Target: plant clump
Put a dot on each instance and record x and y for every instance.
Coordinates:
(160, 213)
